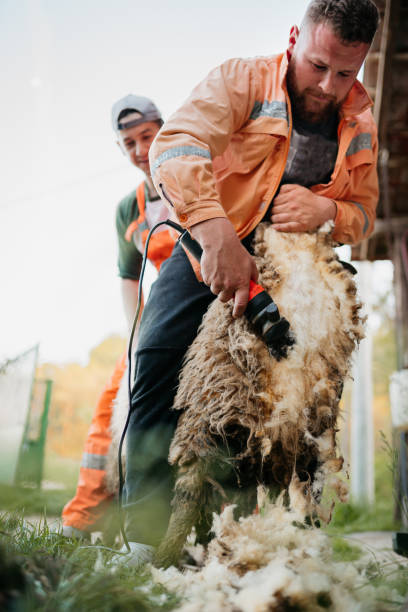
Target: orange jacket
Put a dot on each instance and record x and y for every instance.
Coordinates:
(224, 151)
(161, 243)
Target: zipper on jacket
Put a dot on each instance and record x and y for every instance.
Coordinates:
(290, 123)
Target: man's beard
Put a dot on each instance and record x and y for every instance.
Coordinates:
(299, 102)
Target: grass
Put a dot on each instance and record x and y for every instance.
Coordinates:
(61, 469)
(395, 577)
(28, 500)
(40, 571)
(351, 517)
(344, 551)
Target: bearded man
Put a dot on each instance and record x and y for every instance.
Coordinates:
(288, 139)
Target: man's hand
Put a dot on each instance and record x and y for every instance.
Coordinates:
(297, 209)
(226, 266)
(130, 289)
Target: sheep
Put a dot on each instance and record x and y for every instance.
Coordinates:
(248, 418)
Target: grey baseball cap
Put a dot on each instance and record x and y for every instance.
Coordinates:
(141, 106)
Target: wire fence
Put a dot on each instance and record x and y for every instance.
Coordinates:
(16, 385)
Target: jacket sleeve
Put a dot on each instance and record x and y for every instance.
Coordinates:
(182, 153)
(356, 216)
(129, 258)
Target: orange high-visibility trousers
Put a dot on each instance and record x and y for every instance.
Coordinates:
(91, 497)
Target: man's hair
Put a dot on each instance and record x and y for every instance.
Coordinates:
(352, 20)
(130, 111)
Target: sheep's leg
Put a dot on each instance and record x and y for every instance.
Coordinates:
(187, 506)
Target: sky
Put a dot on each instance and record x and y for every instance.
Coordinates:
(63, 66)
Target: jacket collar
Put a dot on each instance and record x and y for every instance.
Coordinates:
(356, 102)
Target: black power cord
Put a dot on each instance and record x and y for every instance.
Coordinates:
(183, 233)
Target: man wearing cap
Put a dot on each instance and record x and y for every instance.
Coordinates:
(288, 139)
(136, 121)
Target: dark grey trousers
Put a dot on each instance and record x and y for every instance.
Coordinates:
(170, 321)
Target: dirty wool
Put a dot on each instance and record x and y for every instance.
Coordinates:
(267, 562)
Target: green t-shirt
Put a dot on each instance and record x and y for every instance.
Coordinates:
(131, 253)
(129, 257)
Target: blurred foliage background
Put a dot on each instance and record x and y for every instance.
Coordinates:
(76, 390)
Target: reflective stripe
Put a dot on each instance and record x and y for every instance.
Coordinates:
(366, 223)
(179, 152)
(359, 142)
(139, 222)
(275, 109)
(93, 462)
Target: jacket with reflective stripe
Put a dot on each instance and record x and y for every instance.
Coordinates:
(224, 151)
(161, 243)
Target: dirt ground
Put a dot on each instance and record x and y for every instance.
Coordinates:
(378, 545)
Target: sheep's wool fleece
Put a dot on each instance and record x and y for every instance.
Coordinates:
(288, 407)
(267, 563)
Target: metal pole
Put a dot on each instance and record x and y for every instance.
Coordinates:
(43, 429)
(362, 434)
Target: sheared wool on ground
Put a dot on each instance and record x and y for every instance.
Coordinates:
(268, 563)
(277, 419)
